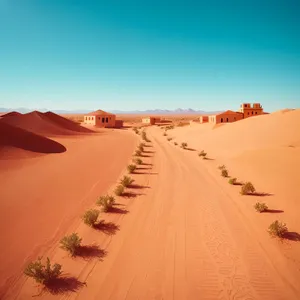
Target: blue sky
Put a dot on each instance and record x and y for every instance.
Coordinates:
(210, 55)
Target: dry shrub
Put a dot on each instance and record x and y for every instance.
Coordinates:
(90, 217)
(71, 243)
(278, 229)
(247, 188)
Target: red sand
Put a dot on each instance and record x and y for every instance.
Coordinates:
(188, 234)
(47, 124)
(11, 114)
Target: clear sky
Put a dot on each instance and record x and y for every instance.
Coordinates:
(109, 54)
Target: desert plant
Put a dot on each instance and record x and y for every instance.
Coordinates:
(106, 202)
(126, 181)
(43, 273)
(71, 243)
(137, 161)
(175, 143)
(202, 153)
(141, 148)
(90, 217)
(184, 145)
(165, 134)
(261, 207)
(131, 168)
(231, 180)
(138, 153)
(222, 167)
(224, 173)
(119, 190)
(278, 229)
(247, 188)
(169, 139)
(135, 130)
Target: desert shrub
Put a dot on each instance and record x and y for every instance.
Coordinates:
(224, 173)
(141, 148)
(43, 273)
(106, 202)
(169, 139)
(202, 153)
(184, 145)
(165, 134)
(135, 130)
(71, 243)
(137, 161)
(144, 135)
(138, 153)
(131, 168)
(261, 207)
(90, 217)
(231, 180)
(126, 181)
(222, 167)
(175, 143)
(278, 229)
(247, 188)
(119, 190)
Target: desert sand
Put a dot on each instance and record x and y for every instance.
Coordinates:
(181, 233)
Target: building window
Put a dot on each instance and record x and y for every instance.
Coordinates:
(256, 112)
(227, 120)
(106, 120)
(252, 113)
(234, 118)
(248, 113)
(245, 105)
(103, 120)
(99, 118)
(221, 120)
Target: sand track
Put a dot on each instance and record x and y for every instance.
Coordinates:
(184, 237)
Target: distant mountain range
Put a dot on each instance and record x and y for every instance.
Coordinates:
(178, 111)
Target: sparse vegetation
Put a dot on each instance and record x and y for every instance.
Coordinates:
(136, 130)
(222, 167)
(141, 148)
(169, 139)
(106, 202)
(175, 143)
(144, 137)
(131, 168)
(43, 273)
(119, 190)
(165, 134)
(231, 180)
(137, 161)
(126, 181)
(224, 173)
(90, 217)
(203, 154)
(261, 207)
(247, 188)
(278, 229)
(71, 243)
(184, 145)
(138, 153)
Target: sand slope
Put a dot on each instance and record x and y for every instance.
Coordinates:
(46, 124)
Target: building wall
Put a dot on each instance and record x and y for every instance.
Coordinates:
(119, 124)
(228, 118)
(251, 110)
(90, 120)
(212, 119)
(204, 119)
(150, 120)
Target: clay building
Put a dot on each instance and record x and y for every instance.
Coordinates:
(246, 110)
(151, 120)
(100, 118)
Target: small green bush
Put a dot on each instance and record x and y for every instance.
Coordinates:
(137, 161)
(119, 191)
(278, 229)
(184, 145)
(138, 153)
(43, 273)
(261, 207)
(202, 153)
(231, 180)
(224, 173)
(106, 202)
(90, 217)
(126, 181)
(131, 168)
(71, 243)
(222, 167)
(247, 188)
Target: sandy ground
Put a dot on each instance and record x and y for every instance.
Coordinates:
(42, 196)
(182, 232)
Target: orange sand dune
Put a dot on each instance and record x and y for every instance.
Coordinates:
(43, 196)
(12, 138)
(48, 124)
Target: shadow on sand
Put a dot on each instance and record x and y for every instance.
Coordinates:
(108, 228)
(190, 149)
(136, 186)
(258, 194)
(63, 285)
(273, 211)
(292, 236)
(130, 194)
(91, 251)
(117, 210)
(145, 173)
